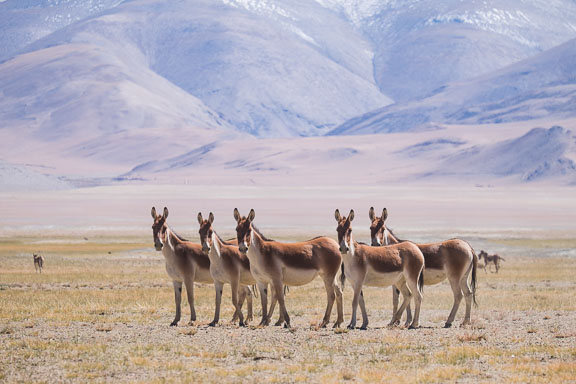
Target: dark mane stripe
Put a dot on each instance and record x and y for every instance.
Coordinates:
(260, 233)
(396, 237)
(180, 238)
(225, 242)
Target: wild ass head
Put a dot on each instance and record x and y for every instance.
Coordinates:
(378, 227)
(344, 230)
(159, 228)
(206, 232)
(244, 229)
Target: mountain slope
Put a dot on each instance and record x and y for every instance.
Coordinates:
(540, 87)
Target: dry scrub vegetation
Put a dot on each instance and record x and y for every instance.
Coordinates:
(101, 310)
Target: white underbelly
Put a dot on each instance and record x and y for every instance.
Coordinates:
(296, 276)
(374, 279)
(173, 272)
(434, 276)
(218, 274)
(259, 275)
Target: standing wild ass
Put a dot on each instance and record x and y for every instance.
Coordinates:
(276, 263)
(490, 259)
(38, 262)
(398, 265)
(227, 265)
(451, 259)
(185, 262)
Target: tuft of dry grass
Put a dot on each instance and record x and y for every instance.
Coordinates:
(100, 316)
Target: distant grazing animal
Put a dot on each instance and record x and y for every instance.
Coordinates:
(490, 260)
(185, 262)
(452, 259)
(280, 264)
(38, 262)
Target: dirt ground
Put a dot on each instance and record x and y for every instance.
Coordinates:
(101, 309)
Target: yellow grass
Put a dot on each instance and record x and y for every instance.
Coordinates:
(95, 315)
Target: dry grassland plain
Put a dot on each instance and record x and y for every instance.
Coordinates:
(101, 311)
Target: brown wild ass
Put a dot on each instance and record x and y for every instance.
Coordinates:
(451, 259)
(38, 262)
(185, 262)
(227, 265)
(494, 259)
(280, 264)
(398, 265)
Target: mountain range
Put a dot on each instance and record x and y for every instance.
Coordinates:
(102, 88)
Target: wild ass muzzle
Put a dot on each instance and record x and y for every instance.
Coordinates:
(399, 265)
(291, 264)
(227, 265)
(452, 259)
(185, 262)
(38, 262)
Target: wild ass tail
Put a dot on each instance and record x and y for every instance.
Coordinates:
(473, 282)
(342, 276)
(421, 281)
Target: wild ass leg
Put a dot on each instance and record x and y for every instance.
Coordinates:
(457, 292)
(364, 312)
(278, 287)
(218, 286)
(339, 304)
(407, 296)
(248, 296)
(235, 285)
(273, 301)
(395, 299)
(357, 291)
(331, 296)
(263, 288)
(417, 296)
(467, 296)
(189, 283)
(178, 300)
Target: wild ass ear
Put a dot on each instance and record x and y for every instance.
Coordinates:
(165, 215)
(200, 219)
(251, 215)
(211, 217)
(153, 213)
(371, 214)
(351, 215)
(337, 215)
(384, 214)
(237, 216)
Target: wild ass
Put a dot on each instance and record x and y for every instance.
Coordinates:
(490, 259)
(38, 262)
(451, 259)
(280, 264)
(227, 265)
(185, 262)
(398, 265)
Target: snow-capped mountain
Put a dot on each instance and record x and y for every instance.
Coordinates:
(543, 86)
(156, 85)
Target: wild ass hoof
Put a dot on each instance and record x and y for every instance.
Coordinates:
(336, 325)
(279, 323)
(324, 324)
(242, 324)
(413, 327)
(447, 325)
(191, 323)
(213, 323)
(287, 325)
(351, 326)
(174, 323)
(364, 327)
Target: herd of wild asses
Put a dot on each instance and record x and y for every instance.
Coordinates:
(251, 259)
